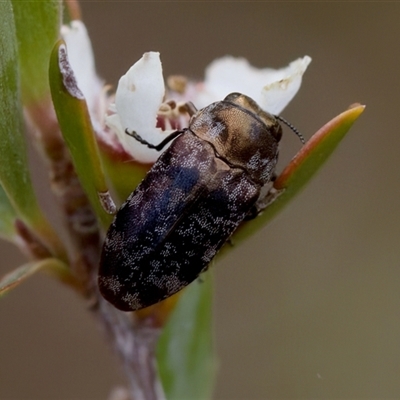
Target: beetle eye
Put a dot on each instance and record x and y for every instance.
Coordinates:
(277, 132)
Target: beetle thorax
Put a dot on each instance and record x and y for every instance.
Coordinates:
(239, 137)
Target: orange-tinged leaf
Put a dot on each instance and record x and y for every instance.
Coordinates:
(301, 169)
(317, 150)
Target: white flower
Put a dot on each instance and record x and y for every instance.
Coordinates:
(140, 103)
(271, 89)
(139, 98)
(81, 59)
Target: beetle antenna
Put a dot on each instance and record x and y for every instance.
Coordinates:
(300, 136)
(160, 145)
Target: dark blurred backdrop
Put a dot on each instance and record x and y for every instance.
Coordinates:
(308, 308)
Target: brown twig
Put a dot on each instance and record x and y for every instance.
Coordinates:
(134, 340)
(29, 243)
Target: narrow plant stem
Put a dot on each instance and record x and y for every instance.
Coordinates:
(135, 343)
(134, 340)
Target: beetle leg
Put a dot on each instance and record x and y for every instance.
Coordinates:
(159, 146)
(265, 201)
(107, 202)
(230, 242)
(254, 211)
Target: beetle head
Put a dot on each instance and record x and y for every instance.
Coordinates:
(253, 108)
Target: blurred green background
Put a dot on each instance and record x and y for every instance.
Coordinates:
(308, 308)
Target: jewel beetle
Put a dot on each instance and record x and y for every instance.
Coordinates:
(190, 202)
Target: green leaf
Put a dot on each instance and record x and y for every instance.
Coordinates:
(185, 351)
(76, 127)
(14, 173)
(13, 167)
(124, 173)
(52, 266)
(7, 217)
(37, 26)
(301, 169)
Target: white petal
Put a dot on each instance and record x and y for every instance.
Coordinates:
(80, 56)
(113, 122)
(139, 95)
(276, 96)
(229, 74)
